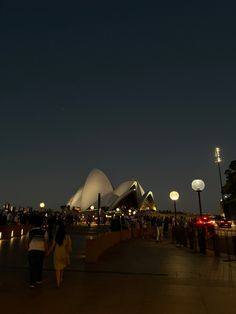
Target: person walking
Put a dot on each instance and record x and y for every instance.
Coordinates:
(159, 226)
(36, 244)
(62, 248)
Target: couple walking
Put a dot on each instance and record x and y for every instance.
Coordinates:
(37, 246)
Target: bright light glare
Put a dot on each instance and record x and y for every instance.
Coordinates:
(174, 196)
(217, 155)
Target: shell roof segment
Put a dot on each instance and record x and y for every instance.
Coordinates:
(97, 182)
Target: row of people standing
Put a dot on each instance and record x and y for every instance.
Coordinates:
(196, 236)
(185, 232)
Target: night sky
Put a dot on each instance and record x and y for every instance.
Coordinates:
(141, 90)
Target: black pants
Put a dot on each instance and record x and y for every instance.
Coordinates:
(35, 258)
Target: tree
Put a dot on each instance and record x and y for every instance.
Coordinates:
(229, 190)
(230, 186)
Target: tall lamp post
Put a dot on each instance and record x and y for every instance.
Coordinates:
(198, 186)
(99, 208)
(174, 196)
(218, 160)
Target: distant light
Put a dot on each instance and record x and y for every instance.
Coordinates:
(217, 155)
(117, 209)
(42, 205)
(174, 196)
(198, 185)
(12, 233)
(0, 235)
(92, 207)
(22, 232)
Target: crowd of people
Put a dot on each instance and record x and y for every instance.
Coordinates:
(184, 231)
(48, 234)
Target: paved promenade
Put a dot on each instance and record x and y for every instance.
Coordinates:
(138, 276)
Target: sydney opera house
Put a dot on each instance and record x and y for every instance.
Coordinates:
(127, 195)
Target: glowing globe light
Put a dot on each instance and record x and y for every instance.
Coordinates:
(42, 205)
(174, 196)
(198, 185)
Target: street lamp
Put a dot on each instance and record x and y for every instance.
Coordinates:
(174, 196)
(218, 160)
(198, 186)
(42, 205)
(99, 208)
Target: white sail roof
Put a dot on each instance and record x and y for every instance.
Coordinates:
(97, 182)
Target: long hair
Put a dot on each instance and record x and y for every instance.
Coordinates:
(60, 235)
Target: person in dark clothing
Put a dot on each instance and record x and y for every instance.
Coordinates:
(202, 238)
(36, 245)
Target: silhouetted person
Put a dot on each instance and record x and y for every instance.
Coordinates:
(36, 244)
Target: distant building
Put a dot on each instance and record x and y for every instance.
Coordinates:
(127, 195)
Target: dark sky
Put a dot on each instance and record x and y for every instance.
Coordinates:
(141, 90)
